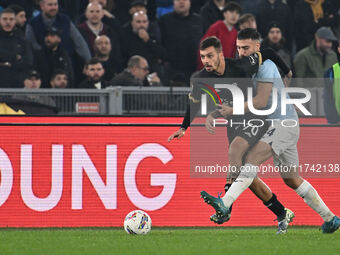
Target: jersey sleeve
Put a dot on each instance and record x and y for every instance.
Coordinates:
(196, 92)
(194, 101)
(248, 66)
(266, 73)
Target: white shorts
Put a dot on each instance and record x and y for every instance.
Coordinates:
(283, 141)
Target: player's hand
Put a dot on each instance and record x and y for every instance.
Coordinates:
(178, 134)
(225, 110)
(209, 124)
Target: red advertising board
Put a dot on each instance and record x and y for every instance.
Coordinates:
(77, 176)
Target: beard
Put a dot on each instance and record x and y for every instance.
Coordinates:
(217, 64)
(52, 45)
(102, 54)
(325, 50)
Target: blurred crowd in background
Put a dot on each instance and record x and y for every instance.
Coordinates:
(101, 43)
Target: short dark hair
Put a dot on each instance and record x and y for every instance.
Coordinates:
(92, 61)
(248, 33)
(232, 6)
(7, 10)
(211, 41)
(16, 8)
(59, 72)
(246, 18)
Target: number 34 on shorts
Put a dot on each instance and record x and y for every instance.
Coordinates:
(268, 136)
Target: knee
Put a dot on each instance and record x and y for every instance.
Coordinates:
(293, 183)
(235, 155)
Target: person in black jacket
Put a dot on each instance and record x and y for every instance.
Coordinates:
(15, 54)
(136, 74)
(111, 21)
(103, 51)
(310, 15)
(20, 17)
(94, 27)
(144, 40)
(95, 72)
(211, 12)
(28, 5)
(275, 10)
(275, 40)
(181, 32)
(52, 57)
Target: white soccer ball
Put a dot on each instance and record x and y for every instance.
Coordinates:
(137, 222)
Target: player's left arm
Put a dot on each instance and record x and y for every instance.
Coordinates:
(248, 66)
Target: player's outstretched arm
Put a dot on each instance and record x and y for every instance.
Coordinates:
(192, 110)
(178, 134)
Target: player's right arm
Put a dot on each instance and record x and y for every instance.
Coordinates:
(264, 84)
(190, 113)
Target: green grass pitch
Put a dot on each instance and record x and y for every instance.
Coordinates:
(234, 241)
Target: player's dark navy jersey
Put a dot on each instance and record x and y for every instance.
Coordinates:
(238, 72)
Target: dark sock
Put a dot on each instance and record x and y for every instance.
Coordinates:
(226, 187)
(276, 207)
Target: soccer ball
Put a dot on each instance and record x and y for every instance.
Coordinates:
(137, 222)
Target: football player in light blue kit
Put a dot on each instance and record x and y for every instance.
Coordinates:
(279, 142)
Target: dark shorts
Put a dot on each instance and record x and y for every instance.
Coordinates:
(252, 134)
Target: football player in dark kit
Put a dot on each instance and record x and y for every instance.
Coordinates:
(240, 139)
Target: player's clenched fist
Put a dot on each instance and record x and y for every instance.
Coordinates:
(178, 134)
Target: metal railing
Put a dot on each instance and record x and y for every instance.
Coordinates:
(155, 101)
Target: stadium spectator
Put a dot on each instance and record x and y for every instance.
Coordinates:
(275, 40)
(136, 74)
(123, 9)
(102, 51)
(15, 53)
(113, 23)
(20, 18)
(52, 57)
(181, 32)
(137, 6)
(314, 60)
(275, 10)
(144, 40)
(59, 79)
(225, 30)
(94, 72)
(250, 6)
(163, 7)
(28, 5)
(71, 39)
(311, 15)
(247, 20)
(32, 80)
(94, 27)
(211, 12)
(331, 95)
(73, 8)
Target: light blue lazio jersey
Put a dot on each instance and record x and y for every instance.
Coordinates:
(268, 72)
